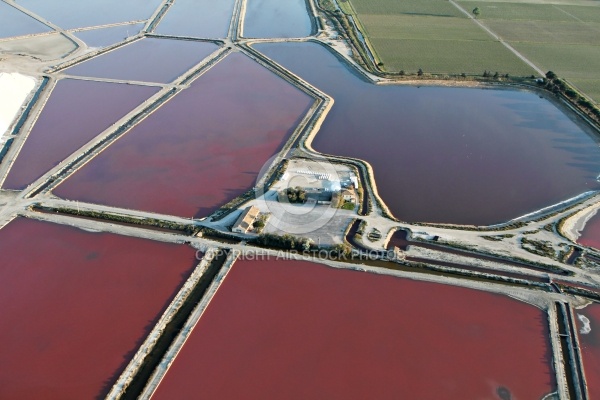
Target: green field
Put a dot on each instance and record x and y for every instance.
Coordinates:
(432, 35)
(591, 87)
(550, 10)
(438, 8)
(562, 36)
(522, 11)
(545, 32)
(579, 64)
(422, 28)
(446, 56)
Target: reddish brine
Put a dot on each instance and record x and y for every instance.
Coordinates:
(299, 330)
(76, 112)
(200, 149)
(588, 325)
(590, 235)
(77, 305)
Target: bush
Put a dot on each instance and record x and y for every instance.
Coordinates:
(295, 195)
(571, 93)
(348, 206)
(287, 242)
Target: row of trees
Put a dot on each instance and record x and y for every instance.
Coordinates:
(559, 86)
(287, 242)
(496, 75)
(486, 74)
(189, 229)
(290, 242)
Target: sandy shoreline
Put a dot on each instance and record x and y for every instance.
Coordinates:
(14, 89)
(573, 226)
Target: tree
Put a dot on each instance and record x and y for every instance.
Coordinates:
(476, 11)
(340, 250)
(402, 72)
(301, 196)
(306, 244)
(496, 75)
(550, 75)
(420, 72)
(295, 195)
(571, 93)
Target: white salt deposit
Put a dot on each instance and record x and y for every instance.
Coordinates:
(14, 89)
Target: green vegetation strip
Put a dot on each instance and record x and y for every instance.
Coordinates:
(475, 252)
(188, 229)
(590, 294)
(5, 148)
(344, 25)
(30, 105)
(570, 94)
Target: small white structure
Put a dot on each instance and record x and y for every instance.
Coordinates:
(348, 195)
(245, 220)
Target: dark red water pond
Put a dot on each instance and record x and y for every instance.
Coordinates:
(15, 23)
(453, 155)
(76, 112)
(277, 18)
(590, 236)
(151, 60)
(77, 13)
(109, 36)
(200, 149)
(198, 18)
(590, 347)
(76, 305)
(298, 330)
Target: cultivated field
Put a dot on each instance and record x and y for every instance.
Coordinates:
(591, 87)
(438, 45)
(562, 36)
(432, 35)
(558, 35)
